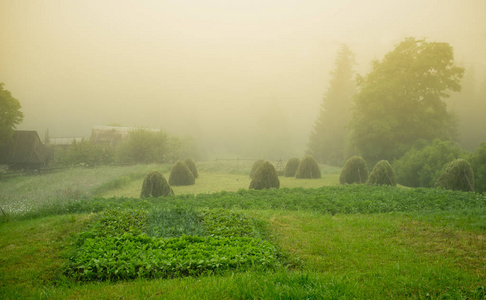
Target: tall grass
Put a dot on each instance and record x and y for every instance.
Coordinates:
(26, 194)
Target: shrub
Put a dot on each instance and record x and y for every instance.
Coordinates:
(355, 170)
(422, 167)
(265, 177)
(180, 174)
(155, 185)
(192, 167)
(255, 166)
(83, 153)
(382, 174)
(457, 175)
(478, 164)
(291, 167)
(145, 146)
(308, 168)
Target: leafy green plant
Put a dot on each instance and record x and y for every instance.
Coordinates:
(181, 175)
(265, 177)
(116, 247)
(155, 185)
(291, 167)
(457, 175)
(355, 170)
(169, 222)
(308, 168)
(382, 174)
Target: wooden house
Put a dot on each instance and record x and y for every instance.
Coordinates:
(25, 151)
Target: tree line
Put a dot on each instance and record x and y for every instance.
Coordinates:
(400, 105)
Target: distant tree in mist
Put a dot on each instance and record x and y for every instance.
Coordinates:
(145, 146)
(10, 115)
(401, 100)
(469, 107)
(327, 140)
(271, 137)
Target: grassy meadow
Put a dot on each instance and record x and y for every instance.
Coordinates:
(333, 242)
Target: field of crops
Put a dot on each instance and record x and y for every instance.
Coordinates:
(310, 239)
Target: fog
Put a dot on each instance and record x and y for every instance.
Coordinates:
(210, 69)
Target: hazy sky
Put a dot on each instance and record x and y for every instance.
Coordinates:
(205, 67)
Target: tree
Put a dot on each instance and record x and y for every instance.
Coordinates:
(327, 140)
(401, 100)
(421, 166)
(470, 108)
(145, 146)
(10, 115)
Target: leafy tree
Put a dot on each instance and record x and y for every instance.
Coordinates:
(478, 163)
(355, 170)
(469, 107)
(10, 114)
(458, 175)
(382, 174)
(421, 166)
(327, 140)
(145, 146)
(265, 177)
(401, 100)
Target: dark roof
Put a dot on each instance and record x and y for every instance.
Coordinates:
(25, 148)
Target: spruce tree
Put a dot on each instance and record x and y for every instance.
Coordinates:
(327, 140)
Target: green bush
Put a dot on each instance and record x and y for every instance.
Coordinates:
(458, 176)
(308, 168)
(382, 174)
(291, 167)
(355, 170)
(422, 167)
(255, 166)
(145, 146)
(155, 185)
(83, 153)
(192, 167)
(181, 175)
(265, 177)
(478, 164)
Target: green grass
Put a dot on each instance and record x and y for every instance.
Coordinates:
(347, 242)
(217, 176)
(27, 193)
